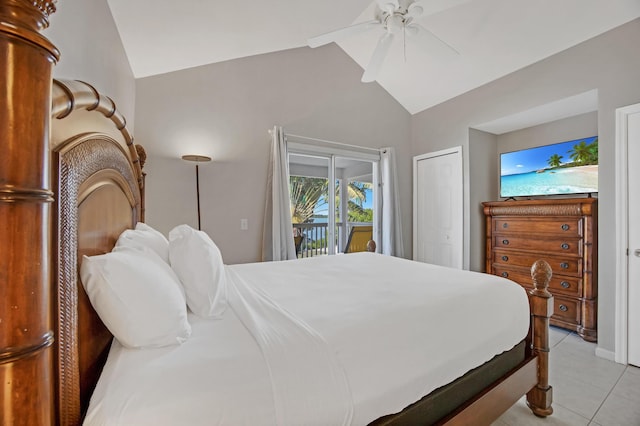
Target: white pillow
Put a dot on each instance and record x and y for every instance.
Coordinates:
(138, 298)
(145, 236)
(198, 263)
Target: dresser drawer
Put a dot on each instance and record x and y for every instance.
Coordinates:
(569, 286)
(571, 246)
(569, 227)
(559, 264)
(566, 309)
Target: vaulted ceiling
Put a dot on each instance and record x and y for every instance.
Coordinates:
(493, 37)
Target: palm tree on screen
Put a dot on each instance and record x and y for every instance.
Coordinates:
(580, 152)
(555, 160)
(593, 152)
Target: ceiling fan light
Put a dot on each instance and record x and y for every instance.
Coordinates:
(395, 23)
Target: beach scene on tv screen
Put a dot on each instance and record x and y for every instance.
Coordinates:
(563, 168)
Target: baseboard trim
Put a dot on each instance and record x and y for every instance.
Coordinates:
(603, 353)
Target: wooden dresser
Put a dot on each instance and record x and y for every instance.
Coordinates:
(564, 233)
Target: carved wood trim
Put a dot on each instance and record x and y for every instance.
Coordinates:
(142, 155)
(47, 7)
(16, 354)
(572, 210)
(84, 158)
(555, 207)
(24, 19)
(12, 194)
(539, 398)
(71, 95)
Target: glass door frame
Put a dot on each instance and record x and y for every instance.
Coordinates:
(331, 154)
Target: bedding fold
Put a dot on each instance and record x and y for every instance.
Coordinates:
(297, 357)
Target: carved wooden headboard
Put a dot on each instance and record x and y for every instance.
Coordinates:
(98, 184)
(70, 182)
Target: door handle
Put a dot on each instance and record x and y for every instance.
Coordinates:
(637, 252)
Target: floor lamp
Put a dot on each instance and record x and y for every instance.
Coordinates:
(197, 159)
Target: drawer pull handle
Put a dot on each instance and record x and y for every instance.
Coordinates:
(565, 227)
(505, 242)
(565, 284)
(505, 274)
(564, 308)
(564, 265)
(505, 258)
(565, 246)
(505, 225)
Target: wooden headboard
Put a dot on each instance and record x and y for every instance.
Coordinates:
(98, 184)
(70, 183)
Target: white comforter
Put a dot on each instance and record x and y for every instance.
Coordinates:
(364, 335)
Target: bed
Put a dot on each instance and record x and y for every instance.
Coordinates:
(324, 340)
(84, 188)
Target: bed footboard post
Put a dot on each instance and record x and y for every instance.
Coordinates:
(27, 374)
(541, 302)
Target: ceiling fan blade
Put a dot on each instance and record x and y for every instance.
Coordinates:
(345, 32)
(431, 42)
(375, 63)
(415, 10)
(388, 5)
(428, 8)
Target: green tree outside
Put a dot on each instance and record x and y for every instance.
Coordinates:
(308, 194)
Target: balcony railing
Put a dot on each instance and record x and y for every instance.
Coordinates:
(314, 242)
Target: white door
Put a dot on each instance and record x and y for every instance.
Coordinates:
(633, 187)
(437, 208)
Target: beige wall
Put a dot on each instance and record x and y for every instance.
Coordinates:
(609, 63)
(91, 51)
(225, 110)
(482, 151)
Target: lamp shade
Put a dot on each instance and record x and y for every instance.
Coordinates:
(196, 158)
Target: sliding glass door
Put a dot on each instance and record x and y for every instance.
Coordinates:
(330, 194)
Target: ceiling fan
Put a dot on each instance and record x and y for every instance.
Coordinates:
(396, 18)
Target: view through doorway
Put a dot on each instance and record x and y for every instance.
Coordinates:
(323, 214)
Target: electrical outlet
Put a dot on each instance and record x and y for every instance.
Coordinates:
(244, 224)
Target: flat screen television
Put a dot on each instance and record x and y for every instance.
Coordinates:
(569, 167)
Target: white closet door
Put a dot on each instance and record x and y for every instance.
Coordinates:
(437, 208)
(633, 158)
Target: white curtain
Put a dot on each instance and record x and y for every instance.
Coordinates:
(277, 236)
(391, 222)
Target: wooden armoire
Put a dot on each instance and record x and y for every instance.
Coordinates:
(564, 233)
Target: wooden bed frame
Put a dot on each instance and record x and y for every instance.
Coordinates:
(70, 183)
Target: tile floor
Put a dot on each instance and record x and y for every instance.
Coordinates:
(587, 390)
